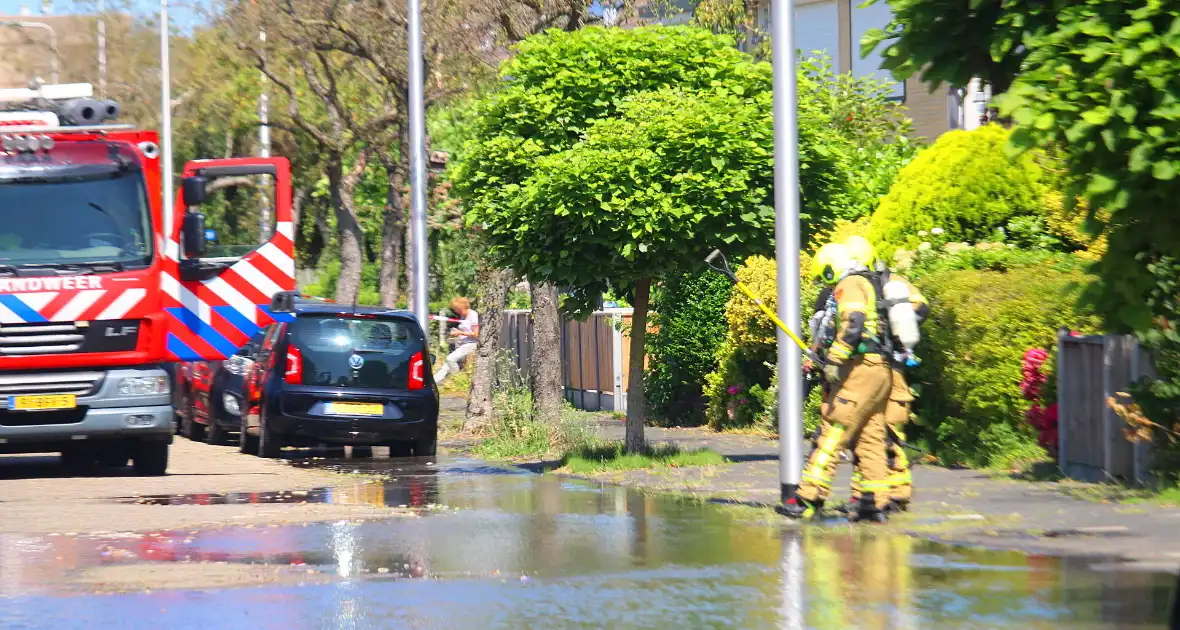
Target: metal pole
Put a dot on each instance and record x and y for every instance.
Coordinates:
(786, 236)
(166, 121)
(102, 49)
(419, 286)
(263, 146)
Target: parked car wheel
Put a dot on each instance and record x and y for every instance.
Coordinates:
(362, 452)
(426, 446)
(151, 459)
(401, 449)
(216, 432)
(247, 443)
(270, 443)
(193, 430)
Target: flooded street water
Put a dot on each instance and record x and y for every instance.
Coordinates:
(493, 548)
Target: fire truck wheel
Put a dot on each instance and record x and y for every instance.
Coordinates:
(114, 456)
(151, 459)
(270, 443)
(77, 459)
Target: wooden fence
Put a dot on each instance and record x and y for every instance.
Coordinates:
(1091, 445)
(595, 355)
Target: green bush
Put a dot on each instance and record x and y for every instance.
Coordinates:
(987, 308)
(689, 317)
(965, 185)
(329, 275)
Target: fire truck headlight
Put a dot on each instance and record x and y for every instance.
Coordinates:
(143, 386)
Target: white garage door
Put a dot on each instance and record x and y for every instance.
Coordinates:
(816, 28)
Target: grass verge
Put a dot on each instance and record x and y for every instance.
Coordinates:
(513, 433)
(613, 457)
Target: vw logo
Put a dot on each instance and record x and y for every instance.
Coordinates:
(356, 362)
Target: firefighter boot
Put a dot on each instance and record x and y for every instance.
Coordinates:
(868, 511)
(798, 508)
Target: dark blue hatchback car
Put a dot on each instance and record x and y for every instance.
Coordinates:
(338, 374)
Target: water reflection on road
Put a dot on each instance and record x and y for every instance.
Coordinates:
(512, 550)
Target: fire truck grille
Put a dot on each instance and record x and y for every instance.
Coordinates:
(77, 383)
(22, 340)
(54, 338)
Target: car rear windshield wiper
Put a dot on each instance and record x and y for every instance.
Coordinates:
(10, 270)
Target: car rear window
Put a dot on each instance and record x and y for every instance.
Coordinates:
(349, 351)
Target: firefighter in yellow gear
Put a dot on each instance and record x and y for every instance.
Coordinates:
(897, 410)
(860, 377)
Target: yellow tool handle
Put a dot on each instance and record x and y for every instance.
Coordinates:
(774, 318)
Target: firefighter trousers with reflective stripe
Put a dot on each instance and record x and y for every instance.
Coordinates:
(897, 414)
(855, 418)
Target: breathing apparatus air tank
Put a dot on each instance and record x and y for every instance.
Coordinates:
(903, 322)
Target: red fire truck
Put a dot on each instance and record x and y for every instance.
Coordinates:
(99, 289)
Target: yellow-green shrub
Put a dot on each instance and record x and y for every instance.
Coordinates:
(744, 380)
(964, 184)
(1067, 225)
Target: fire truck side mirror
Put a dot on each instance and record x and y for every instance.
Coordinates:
(193, 232)
(194, 190)
(283, 302)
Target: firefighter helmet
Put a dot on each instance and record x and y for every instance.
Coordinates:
(861, 251)
(830, 263)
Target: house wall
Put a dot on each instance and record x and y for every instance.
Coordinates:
(836, 27)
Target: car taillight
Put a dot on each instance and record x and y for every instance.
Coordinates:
(294, 365)
(417, 372)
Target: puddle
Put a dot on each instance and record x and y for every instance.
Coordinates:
(527, 551)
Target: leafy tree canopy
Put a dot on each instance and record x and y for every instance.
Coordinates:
(953, 41)
(1101, 88)
(598, 155)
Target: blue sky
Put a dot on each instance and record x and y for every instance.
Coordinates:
(178, 13)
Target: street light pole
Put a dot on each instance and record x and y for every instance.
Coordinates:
(786, 236)
(419, 284)
(166, 121)
(102, 49)
(263, 145)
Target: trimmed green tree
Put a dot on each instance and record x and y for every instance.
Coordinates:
(611, 157)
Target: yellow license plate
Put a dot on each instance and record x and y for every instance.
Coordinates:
(355, 409)
(42, 403)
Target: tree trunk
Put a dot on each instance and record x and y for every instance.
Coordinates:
(341, 189)
(298, 198)
(636, 401)
(392, 230)
(546, 360)
(494, 285)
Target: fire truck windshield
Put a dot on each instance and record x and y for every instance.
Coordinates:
(74, 218)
